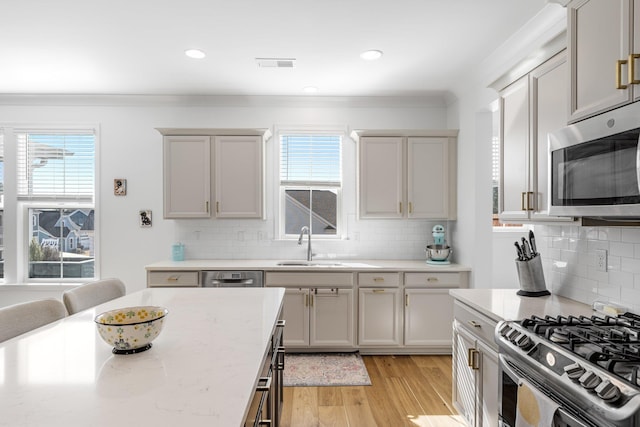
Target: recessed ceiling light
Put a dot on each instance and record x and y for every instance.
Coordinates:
(310, 89)
(370, 55)
(195, 53)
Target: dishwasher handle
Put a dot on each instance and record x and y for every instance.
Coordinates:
(218, 283)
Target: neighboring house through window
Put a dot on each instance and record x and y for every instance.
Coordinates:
(56, 189)
(310, 183)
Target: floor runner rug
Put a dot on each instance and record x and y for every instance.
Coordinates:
(324, 369)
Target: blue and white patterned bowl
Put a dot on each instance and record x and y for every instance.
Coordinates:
(131, 329)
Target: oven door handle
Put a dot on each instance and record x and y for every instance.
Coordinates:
(562, 414)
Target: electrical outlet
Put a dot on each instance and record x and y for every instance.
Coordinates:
(601, 260)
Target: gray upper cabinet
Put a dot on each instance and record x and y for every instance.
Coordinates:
(530, 108)
(604, 68)
(224, 165)
(187, 176)
(407, 174)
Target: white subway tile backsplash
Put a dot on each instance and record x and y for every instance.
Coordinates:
(254, 239)
(570, 253)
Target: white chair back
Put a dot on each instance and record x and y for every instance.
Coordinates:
(20, 318)
(92, 294)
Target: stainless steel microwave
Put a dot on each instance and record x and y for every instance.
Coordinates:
(594, 166)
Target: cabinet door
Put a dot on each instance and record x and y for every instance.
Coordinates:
(332, 318)
(428, 178)
(599, 36)
(295, 312)
(238, 176)
(514, 180)
(549, 113)
(187, 176)
(379, 316)
(380, 176)
(465, 382)
(428, 314)
(636, 48)
(489, 374)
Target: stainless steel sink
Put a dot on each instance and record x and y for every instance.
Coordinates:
(309, 264)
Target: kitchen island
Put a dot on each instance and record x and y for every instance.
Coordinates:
(202, 370)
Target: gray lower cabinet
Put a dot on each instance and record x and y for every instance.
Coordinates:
(475, 367)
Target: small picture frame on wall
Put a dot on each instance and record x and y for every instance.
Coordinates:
(120, 187)
(145, 218)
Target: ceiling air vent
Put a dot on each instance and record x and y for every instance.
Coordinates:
(276, 62)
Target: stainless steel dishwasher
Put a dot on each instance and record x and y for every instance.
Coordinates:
(231, 279)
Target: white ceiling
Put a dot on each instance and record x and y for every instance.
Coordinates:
(137, 46)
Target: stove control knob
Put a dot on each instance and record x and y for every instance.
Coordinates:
(590, 380)
(607, 391)
(574, 371)
(504, 330)
(513, 335)
(524, 342)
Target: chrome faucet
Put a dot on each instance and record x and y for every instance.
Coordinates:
(306, 230)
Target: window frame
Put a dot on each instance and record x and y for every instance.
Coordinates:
(280, 189)
(16, 210)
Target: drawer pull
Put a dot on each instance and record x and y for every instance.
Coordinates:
(378, 291)
(475, 324)
(173, 278)
(264, 384)
(378, 279)
(432, 279)
(619, 64)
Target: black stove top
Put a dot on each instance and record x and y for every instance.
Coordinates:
(612, 343)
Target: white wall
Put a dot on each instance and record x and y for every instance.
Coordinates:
(131, 148)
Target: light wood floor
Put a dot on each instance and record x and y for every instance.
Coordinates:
(405, 391)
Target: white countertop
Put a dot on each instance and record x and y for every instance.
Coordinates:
(201, 371)
(272, 265)
(505, 304)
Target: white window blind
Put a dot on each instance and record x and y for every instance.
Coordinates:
(310, 159)
(56, 166)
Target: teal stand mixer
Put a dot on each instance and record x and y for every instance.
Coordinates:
(438, 253)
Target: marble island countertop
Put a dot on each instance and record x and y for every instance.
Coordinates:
(505, 304)
(201, 371)
(320, 264)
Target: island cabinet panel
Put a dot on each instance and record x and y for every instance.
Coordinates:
(266, 406)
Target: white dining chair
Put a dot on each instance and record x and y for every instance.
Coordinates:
(20, 318)
(92, 294)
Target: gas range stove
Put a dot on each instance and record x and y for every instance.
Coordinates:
(589, 363)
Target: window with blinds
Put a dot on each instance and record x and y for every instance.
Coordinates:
(55, 166)
(310, 182)
(56, 176)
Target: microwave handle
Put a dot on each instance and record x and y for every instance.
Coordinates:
(638, 163)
